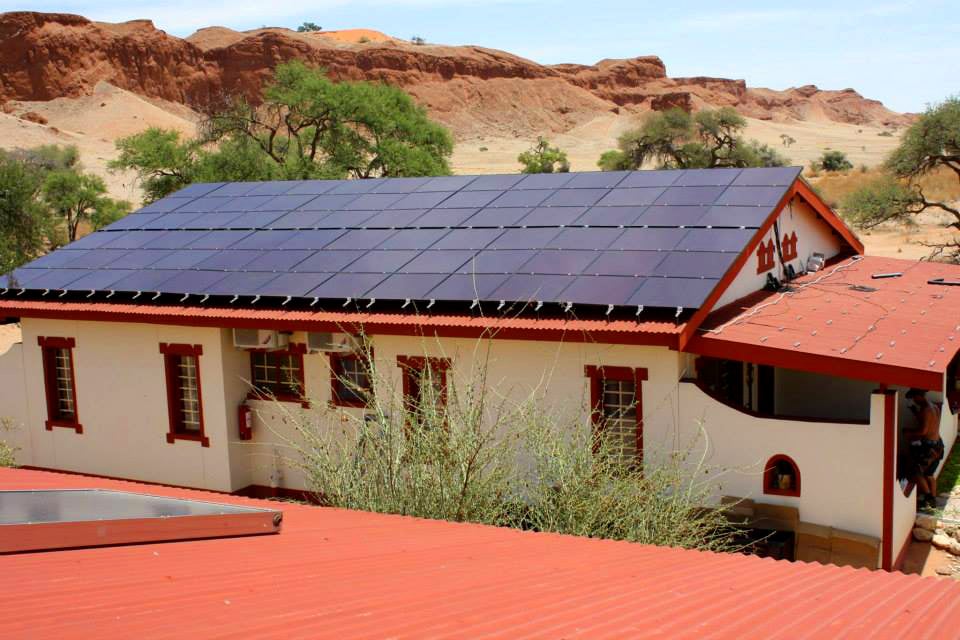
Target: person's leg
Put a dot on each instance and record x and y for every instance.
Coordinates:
(922, 490)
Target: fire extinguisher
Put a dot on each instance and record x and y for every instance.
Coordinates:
(245, 419)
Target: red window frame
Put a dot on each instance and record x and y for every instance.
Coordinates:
(297, 351)
(597, 374)
(411, 364)
(336, 373)
(48, 348)
(171, 363)
(769, 470)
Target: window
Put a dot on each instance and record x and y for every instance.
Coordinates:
(781, 477)
(350, 380)
(59, 382)
(184, 404)
(424, 383)
(278, 374)
(616, 399)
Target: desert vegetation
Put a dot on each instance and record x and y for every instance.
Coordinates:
(45, 197)
(676, 139)
(465, 452)
(307, 127)
(8, 453)
(542, 158)
(922, 174)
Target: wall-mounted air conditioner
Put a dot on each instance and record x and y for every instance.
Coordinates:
(259, 339)
(323, 341)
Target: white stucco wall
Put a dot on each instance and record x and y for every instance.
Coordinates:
(122, 405)
(13, 402)
(813, 235)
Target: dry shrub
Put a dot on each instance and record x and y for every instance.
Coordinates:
(477, 456)
(941, 184)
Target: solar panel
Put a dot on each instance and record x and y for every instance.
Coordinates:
(589, 238)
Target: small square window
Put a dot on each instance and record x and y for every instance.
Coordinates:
(350, 380)
(278, 374)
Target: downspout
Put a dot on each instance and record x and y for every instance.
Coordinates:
(889, 476)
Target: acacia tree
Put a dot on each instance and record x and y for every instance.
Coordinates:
(313, 127)
(680, 140)
(542, 158)
(74, 197)
(930, 144)
(24, 222)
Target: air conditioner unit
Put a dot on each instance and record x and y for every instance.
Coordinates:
(323, 341)
(259, 339)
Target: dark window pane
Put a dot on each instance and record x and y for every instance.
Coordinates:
(620, 197)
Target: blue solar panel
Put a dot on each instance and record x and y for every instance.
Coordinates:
(587, 238)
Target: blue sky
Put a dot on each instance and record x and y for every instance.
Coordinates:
(901, 52)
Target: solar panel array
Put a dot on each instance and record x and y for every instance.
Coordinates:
(651, 238)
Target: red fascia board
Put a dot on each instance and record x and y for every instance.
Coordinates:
(816, 363)
(799, 189)
(651, 333)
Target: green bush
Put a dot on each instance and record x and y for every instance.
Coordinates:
(834, 161)
(308, 27)
(542, 158)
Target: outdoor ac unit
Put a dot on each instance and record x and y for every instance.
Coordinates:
(259, 339)
(323, 341)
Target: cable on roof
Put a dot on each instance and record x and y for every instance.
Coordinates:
(944, 283)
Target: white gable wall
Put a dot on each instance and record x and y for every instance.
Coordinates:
(814, 235)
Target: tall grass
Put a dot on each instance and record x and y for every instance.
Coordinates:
(474, 455)
(941, 184)
(8, 453)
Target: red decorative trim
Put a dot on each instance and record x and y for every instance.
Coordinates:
(768, 477)
(171, 354)
(650, 333)
(336, 371)
(789, 246)
(889, 476)
(765, 260)
(50, 384)
(597, 374)
(765, 416)
(799, 189)
(293, 349)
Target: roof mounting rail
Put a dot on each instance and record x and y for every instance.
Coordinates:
(406, 302)
(234, 299)
(110, 295)
(370, 304)
(639, 310)
(679, 311)
(135, 296)
(475, 303)
(184, 298)
(45, 292)
(315, 301)
(21, 292)
(284, 303)
(502, 303)
(92, 293)
(609, 309)
(155, 295)
(62, 293)
(430, 304)
(204, 298)
(347, 301)
(568, 307)
(539, 304)
(256, 299)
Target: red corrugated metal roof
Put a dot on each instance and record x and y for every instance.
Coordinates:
(905, 331)
(229, 317)
(346, 574)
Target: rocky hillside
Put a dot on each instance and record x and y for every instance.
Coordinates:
(474, 90)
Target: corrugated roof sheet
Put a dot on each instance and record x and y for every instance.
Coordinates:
(343, 574)
(652, 238)
(329, 320)
(898, 330)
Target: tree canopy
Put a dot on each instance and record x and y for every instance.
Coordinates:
(542, 158)
(930, 145)
(307, 127)
(675, 139)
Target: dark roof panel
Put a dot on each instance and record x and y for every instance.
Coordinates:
(653, 238)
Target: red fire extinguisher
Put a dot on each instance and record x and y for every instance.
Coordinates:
(245, 419)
